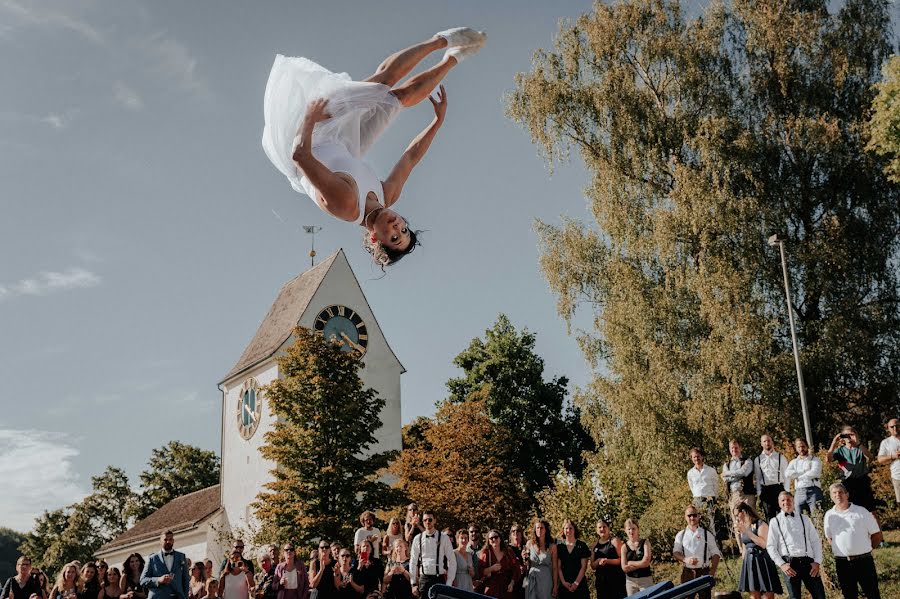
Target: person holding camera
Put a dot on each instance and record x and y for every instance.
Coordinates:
(238, 545)
(795, 546)
(237, 580)
(25, 583)
(852, 459)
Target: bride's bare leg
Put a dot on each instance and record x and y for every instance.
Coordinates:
(417, 88)
(398, 65)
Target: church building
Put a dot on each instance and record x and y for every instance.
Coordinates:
(326, 298)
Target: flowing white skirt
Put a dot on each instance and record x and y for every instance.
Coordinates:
(360, 111)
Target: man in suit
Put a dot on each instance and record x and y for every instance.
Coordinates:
(166, 573)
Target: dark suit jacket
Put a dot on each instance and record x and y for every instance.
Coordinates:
(155, 568)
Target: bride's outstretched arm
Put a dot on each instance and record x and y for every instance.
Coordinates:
(393, 185)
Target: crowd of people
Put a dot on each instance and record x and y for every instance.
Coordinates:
(780, 545)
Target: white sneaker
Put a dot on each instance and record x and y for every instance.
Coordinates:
(462, 36)
(460, 53)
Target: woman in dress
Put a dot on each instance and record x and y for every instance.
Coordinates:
(636, 559)
(541, 581)
(397, 583)
(112, 590)
(497, 567)
(197, 584)
(609, 579)
(339, 121)
(572, 556)
(91, 577)
(236, 579)
(289, 581)
(393, 534)
(759, 575)
(131, 578)
(69, 584)
(517, 547)
(321, 573)
(465, 569)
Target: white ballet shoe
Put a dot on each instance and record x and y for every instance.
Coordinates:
(460, 53)
(462, 36)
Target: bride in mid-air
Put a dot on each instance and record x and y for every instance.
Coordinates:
(339, 119)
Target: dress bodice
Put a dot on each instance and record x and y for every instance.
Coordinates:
(538, 560)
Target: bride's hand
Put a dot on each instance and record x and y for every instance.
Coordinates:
(316, 111)
(440, 105)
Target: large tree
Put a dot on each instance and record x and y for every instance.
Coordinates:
(174, 470)
(321, 444)
(884, 127)
(504, 370)
(463, 467)
(703, 138)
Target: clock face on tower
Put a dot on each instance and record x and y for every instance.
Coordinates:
(341, 324)
(249, 408)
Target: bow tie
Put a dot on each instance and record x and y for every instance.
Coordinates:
(168, 552)
(431, 536)
(789, 514)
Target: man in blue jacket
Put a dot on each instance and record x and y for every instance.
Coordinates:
(165, 575)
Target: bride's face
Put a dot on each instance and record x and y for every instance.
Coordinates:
(390, 230)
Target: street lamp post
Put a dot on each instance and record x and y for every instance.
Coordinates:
(773, 241)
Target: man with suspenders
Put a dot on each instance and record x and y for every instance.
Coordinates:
(696, 548)
(427, 563)
(769, 468)
(795, 547)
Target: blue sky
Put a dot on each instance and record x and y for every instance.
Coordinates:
(139, 239)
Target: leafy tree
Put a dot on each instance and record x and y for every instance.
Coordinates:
(702, 139)
(76, 532)
(464, 468)
(884, 127)
(326, 424)
(174, 470)
(504, 369)
(9, 551)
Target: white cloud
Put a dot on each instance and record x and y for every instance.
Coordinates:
(42, 17)
(49, 282)
(127, 96)
(57, 121)
(37, 467)
(173, 61)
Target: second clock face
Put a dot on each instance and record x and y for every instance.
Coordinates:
(249, 408)
(342, 325)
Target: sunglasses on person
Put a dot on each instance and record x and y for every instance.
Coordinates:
(288, 549)
(323, 547)
(345, 556)
(427, 519)
(692, 515)
(493, 538)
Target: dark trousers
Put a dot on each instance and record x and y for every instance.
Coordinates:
(856, 573)
(426, 581)
(688, 574)
(768, 499)
(813, 584)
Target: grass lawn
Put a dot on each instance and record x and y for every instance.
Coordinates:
(887, 560)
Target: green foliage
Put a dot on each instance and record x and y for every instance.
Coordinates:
(884, 127)
(321, 442)
(76, 532)
(9, 551)
(702, 138)
(505, 371)
(174, 470)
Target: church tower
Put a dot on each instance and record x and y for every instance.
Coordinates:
(327, 298)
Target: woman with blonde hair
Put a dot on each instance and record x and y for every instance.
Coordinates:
(197, 584)
(394, 533)
(498, 567)
(636, 558)
(69, 584)
(396, 580)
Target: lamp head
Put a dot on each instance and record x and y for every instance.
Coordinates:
(775, 239)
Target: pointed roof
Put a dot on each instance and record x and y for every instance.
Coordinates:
(181, 513)
(283, 316)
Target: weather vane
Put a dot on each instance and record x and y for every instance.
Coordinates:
(312, 230)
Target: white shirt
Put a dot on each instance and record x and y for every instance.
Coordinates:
(806, 471)
(703, 483)
(733, 473)
(425, 547)
(890, 446)
(290, 577)
(850, 531)
(236, 586)
(794, 537)
(362, 534)
(690, 543)
(769, 469)
(169, 559)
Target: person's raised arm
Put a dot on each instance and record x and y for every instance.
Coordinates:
(395, 181)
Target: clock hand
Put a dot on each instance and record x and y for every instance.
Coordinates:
(252, 415)
(349, 342)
